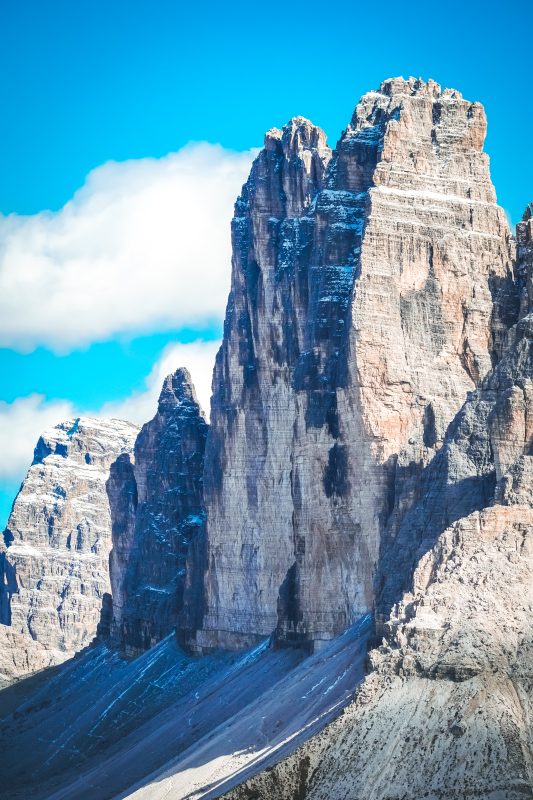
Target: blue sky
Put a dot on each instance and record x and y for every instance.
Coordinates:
(86, 83)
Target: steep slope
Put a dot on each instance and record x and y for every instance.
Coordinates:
(54, 561)
(156, 507)
(165, 722)
(361, 314)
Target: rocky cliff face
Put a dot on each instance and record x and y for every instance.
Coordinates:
(445, 710)
(524, 239)
(369, 296)
(486, 455)
(55, 587)
(156, 504)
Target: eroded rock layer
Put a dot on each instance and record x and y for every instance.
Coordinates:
(55, 588)
(361, 314)
(156, 504)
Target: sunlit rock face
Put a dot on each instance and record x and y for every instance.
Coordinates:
(55, 588)
(156, 504)
(445, 709)
(486, 461)
(371, 291)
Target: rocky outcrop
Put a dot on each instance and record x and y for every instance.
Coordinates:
(55, 588)
(370, 292)
(20, 656)
(156, 505)
(487, 455)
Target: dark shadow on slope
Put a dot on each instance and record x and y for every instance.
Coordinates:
(15, 696)
(54, 722)
(245, 717)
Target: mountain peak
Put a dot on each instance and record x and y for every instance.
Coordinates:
(416, 86)
(177, 388)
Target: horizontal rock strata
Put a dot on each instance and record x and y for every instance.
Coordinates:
(445, 710)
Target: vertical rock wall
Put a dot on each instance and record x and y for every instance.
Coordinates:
(524, 240)
(360, 315)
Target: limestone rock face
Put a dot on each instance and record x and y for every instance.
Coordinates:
(156, 504)
(487, 458)
(361, 314)
(445, 710)
(55, 555)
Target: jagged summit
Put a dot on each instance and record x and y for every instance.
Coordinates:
(417, 86)
(177, 388)
(91, 439)
(157, 511)
(298, 134)
(289, 168)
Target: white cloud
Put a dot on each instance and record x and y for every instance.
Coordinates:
(143, 245)
(24, 420)
(198, 357)
(21, 424)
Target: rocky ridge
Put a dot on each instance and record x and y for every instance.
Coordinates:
(55, 588)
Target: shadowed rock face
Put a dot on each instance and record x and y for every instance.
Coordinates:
(524, 240)
(361, 314)
(55, 553)
(157, 510)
